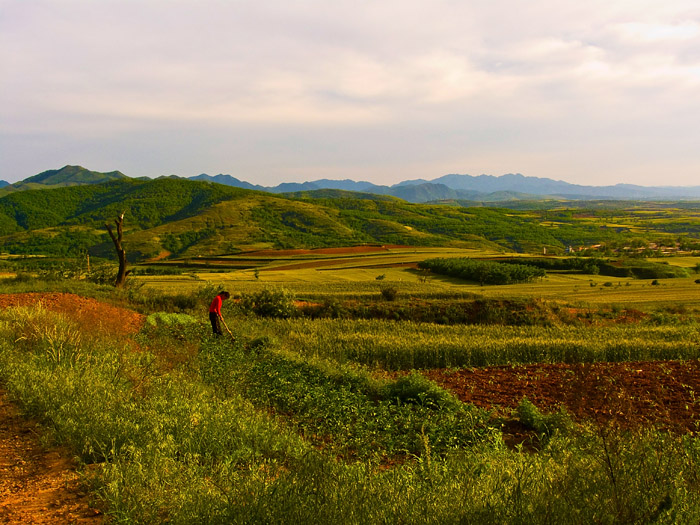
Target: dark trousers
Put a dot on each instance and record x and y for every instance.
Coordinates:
(215, 324)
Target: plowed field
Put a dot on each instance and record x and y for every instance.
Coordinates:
(665, 394)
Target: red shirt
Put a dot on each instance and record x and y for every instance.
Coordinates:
(215, 306)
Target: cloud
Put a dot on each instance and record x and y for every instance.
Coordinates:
(369, 85)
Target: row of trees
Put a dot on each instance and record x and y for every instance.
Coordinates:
(483, 272)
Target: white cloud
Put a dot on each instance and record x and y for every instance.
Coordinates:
(454, 80)
(648, 32)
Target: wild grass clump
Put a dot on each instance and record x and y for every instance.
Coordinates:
(417, 389)
(545, 425)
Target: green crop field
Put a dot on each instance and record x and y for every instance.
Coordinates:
(364, 274)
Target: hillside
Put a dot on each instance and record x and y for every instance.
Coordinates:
(190, 218)
(176, 217)
(66, 176)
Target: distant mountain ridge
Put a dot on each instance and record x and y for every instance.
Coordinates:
(451, 187)
(485, 188)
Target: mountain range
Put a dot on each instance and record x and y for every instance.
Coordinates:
(453, 187)
(482, 188)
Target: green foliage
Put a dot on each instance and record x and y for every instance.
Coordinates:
(415, 388)
(343, 405)
(176, 243)
(278, 303)
(389, 293)
(196, 429)
(483, 272)
(170, 319)
(395, 345)
(546, 425)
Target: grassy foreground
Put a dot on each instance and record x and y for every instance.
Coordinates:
(291, 424)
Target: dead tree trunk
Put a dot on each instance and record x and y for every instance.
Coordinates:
(121, 253)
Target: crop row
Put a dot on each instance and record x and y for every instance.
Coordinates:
(404, 346)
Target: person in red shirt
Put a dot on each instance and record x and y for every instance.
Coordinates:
(215, 312)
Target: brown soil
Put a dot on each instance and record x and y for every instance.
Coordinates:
(664, 394)
(94, 315)
(162, 255)
(37, 485)
(40, 485)
(324, 251)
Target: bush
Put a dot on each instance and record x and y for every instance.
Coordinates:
(546, 425)
(416, 389)
(389, 293)
(270, 303)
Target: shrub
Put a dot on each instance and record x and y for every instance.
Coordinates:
(416, 389)
(270, 303)
(389, 293)
(546, 425)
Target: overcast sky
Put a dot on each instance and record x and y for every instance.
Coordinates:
(592, 92)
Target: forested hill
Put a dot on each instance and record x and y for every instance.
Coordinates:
(147, 202)
(180, 217)
(184, 217)
(66, 176)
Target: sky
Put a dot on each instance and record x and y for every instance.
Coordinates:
(593, 92)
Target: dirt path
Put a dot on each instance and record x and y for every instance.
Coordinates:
(37, 485)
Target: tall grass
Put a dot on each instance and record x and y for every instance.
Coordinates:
(405, 345)
(222, 433)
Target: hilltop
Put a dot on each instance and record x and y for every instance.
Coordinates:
(66, 176)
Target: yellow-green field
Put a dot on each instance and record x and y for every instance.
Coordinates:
(366, 273)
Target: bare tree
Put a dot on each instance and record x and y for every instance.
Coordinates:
(121, 253)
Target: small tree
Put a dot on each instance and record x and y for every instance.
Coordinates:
(121, 252)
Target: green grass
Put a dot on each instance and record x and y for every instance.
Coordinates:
(195, 429)
(395, 345)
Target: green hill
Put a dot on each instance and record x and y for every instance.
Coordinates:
(66, 176)
(185, 218)
(190, 218)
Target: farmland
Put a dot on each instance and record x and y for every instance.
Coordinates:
(387, 362)
(570, 398)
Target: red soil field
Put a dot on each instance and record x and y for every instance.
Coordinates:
(663, 394)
